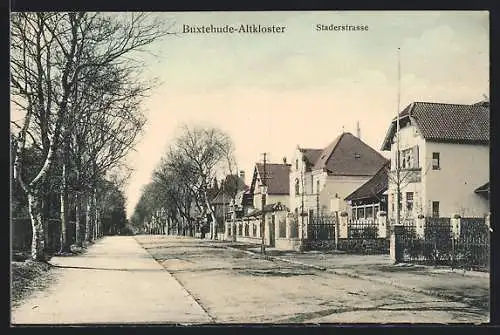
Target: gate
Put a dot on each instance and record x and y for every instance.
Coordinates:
(321, 228)
(272, 236)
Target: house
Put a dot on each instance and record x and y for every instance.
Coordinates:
(221, 205)
(444, 160)
(321, 178)
(276, 178)
(371, 197)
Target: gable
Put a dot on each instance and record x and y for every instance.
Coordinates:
(347, 155)
(438, 122)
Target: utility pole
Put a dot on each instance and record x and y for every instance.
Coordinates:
(302, 214)
(263, 220)
(398, 177)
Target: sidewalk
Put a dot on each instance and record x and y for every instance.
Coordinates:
(116, 281)
(471, 287)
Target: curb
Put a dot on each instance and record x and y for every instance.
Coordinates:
(368, 278)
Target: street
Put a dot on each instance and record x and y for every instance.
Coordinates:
(202, 281)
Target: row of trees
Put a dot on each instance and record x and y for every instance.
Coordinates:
(76, 79)
(185, 181)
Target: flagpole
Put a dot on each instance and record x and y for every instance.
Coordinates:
(398, 179)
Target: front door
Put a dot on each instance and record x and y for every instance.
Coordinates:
(272, 231)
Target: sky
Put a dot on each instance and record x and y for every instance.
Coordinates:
(273, 91)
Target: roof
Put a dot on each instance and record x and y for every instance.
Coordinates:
(310, 156)
(347, 155)
(221, 198)
(276, 178)
(483, 188)
(440, 122)
(268, 208)
(374, 187)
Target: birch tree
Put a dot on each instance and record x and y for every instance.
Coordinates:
(50, 53)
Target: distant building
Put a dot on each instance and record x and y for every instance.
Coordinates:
(277, 182)
(322, 178)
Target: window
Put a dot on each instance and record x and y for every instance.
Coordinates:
(296, 164)
(375, 211)
(317, 186)
(435, 161)
(409, 201)
(354, 213)
(297, 191)
(312, 184)
(435, 209)
(369, 212)
(392, 202)
(360, 213)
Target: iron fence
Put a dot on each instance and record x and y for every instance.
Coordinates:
(362, 229)
(294, 228)
(440, 246)
(321, 228)
(472, 247)
(282, 228)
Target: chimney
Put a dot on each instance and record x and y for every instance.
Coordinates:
(358, 130)
(242, 175)
(284, 160)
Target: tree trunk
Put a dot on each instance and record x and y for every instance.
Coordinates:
(95, 217)
(46, 216)
(78, 206)
(89, 223)
(38, 239)
(213, 230)
(64, 238)
(65, 241)
(78, 223)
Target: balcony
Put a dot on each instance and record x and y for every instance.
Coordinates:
(408, 175)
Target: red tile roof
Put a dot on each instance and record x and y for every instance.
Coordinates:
(441, 122)
(277, 177)
(349, 156)
(374, 187)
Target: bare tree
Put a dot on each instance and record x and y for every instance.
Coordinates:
(50, 54)
(204, 151)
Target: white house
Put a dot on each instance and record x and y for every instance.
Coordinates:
(444, 160)
(322, 178)
(276, 177)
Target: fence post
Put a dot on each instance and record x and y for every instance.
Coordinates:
(336, 230)
(382, 224)
(455, 235)
(344, 225)
(455, 226)
(396, 246)
(420, 227)
(288, 225)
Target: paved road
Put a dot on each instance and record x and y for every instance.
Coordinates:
(198, 281)
(116, 281)
(236, 287)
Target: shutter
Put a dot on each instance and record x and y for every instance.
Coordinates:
(415, 157)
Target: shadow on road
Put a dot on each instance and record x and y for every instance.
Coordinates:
(105, 269)
(391, 307)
